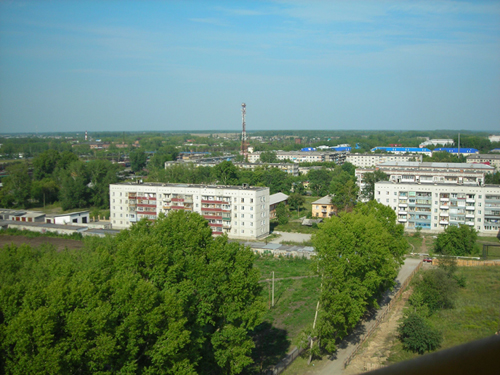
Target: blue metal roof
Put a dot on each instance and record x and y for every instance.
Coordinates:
(308, 149)
(454, 150)
(341, 148)
(401, 149)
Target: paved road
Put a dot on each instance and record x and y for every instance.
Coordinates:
(294, 237)
(335, 366)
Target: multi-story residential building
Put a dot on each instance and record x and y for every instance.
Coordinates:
(304, 156)
(274, 200)
(290, 168)
(429, 173)
(434, 207)
(492, 159)
(240, 211)
(404, 150)
(435, 142)
(323, 207)
(370, 160)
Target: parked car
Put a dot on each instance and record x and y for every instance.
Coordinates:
(428, 260)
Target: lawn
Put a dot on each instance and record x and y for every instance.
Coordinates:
(475, 315)
(294, 308)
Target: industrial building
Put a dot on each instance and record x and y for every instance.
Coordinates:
(433, 207)
(238, 211)
(291, 168)
(404, 150)
(436, 142)
(456, 150)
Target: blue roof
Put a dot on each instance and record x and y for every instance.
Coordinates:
(341, 148)
(454, 150)
(401, 149)
(308, 149)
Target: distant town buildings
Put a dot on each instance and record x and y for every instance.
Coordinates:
(494, 138)
(404, 150)
(304, 156)
(434, 207)
(456, 150)
(437, 142)
(491, 159)
(369, 160)
(238, 211)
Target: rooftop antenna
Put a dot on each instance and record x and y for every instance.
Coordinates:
(244, 144)
(458, 153)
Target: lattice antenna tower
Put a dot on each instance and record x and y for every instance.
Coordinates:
(244, 144)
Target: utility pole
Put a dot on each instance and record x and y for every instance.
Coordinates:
(273, 289)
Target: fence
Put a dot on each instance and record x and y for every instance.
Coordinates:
(471, 263)
(381, 316)
(285, 362)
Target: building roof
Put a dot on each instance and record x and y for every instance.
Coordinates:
(277, 198)
(325, 200)
(454, 150)
(416, 164)
(199, 186)
(484, 156)
(402, 149)
(68, 214)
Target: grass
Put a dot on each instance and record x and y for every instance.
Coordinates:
(475, 315)
(416, 242)
(292, 226)
(283, 267)
(32, 234)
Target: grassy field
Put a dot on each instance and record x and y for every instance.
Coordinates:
(476, 312)
(294, 307)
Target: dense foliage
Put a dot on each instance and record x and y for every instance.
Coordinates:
(358, 257)
(418, 336)
(456, 241)
(162, 297)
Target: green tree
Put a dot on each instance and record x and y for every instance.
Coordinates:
(438, 289)
(226, 173)
(45, 191)
(137, 160)
(418, 336)
(369, 180)
(268, 157)
(282, 214)
(102, 173)
(45, 164)
(319, 181)
(358, 259)
(74, 191)
(17, 186)
(295, 200)
(344, 191)
(457, 241)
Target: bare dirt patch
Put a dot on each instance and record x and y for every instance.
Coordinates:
(58, 243)
(376, 350)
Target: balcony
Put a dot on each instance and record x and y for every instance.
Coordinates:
(402, 197)
(444, 207)
(226, 225)
(471, 223)
(177, 199)
(213, 202)
(470, 208)
(403, 205)
(442, 199)
(470, 200)
(402, 219)
(470, 216)
(444, 214)
(444, 222)
(402, 213)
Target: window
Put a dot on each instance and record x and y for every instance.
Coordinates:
(243, 231)
(251, 224)
(395, 193)
(251, 208)
(387, 200)
(242, 207)
(242, 216)
(251, 200)
(113, 193)
(435, 210)
(435, 225)
(387, 193)
(435, 202)
(242, 200)
(435, 217)
(251, 216)
(121, 215)
(113, 201)
(235, 223)
(235, 215)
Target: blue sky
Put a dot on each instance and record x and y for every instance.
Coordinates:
(188, 65)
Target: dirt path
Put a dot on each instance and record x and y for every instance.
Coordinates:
(59, 243)
(376, 349)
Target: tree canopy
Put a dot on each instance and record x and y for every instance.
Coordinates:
(358, 257)
(163, 297)
(457, 241)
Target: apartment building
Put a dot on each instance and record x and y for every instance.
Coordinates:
(429, 173)
(434, 207)
(492, 159)
(370, 160)
(304, 156)
(290, 168)
(323, 207)
(239, 211)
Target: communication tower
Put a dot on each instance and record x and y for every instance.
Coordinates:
(244, 143)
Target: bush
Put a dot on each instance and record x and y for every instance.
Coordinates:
(438, 289)
(418, 336)
(458, 241)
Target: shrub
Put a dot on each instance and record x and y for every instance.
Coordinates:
(438, 289)
(418, 336)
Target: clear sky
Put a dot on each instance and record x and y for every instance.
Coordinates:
(188, 65)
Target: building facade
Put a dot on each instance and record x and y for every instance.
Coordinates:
(370, 160)
(492, 159)
(238, 211)
(304, 156)
(429, 173)
(323, 207)
(436, 206)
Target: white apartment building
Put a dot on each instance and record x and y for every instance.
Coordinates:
(290, 168)
(494, 138)
(433, 207)
(304, 156)
(493, 159)
(370, 160)
(437, 142)
(430, 173)
(240, 211)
